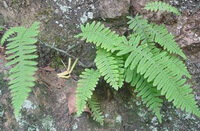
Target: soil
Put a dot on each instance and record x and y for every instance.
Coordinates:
(46, 109)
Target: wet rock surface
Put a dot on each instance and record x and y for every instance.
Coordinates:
(46, 109)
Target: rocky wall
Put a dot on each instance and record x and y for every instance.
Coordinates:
(47, 106)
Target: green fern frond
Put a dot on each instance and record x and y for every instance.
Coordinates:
(21, 49)
(165, 39)
(178, 66)
(10, 32)
(155, 69)
(86, 86)
(94, 106)
(101, 36)
(148, 93)
(1, 28)
(161, 6)
(109, 67)
(141, 27)
(120, 63)
(154, 33)
(174, 63)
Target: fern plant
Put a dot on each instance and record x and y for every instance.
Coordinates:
(1, 28)
(161, 6)
(21, 50)
(86, 86)
(111, 67)
(149, 59)
(154, 33)
(94, 106)
(148, 93)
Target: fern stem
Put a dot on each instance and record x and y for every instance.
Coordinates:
(80, 63)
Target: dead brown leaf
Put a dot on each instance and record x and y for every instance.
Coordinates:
(50, 79)
(72, 102)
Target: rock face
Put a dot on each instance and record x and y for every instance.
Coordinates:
(47, 106)
(60, 22)
(113, 8)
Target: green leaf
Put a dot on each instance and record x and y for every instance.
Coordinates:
(156, 69)
(1, 28)
(94, 106)
(148, 93)
(21, 49)
(110, 67)
(161, 6)
(86, 86)
(154, 33)
(101, 36)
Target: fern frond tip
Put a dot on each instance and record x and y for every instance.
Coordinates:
(161, 6)
(94, 106)
(86, 86)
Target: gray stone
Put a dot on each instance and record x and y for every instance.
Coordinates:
(113, 8)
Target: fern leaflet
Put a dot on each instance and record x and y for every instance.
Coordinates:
(148, 93)
(94, 106)
(101, 36)
(156, 69)
(10, 32)
(165, 39)
(20, 50)
(86, 86)
(161, 6)
(178, 66)
(174, 63)
(1, 28)
(120, 63)
(155, 33)
(109, 67)
(140, 27)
